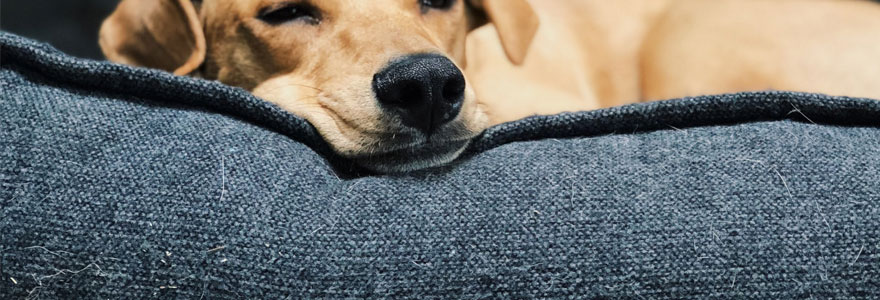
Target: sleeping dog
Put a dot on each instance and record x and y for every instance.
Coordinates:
(399, 85)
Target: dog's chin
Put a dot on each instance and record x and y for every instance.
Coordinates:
(412, 158)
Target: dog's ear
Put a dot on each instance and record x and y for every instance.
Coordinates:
(516, 23)
(161, 34)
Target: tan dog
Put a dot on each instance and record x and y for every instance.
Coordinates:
(381, 79)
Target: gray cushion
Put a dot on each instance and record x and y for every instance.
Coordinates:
(127, 183)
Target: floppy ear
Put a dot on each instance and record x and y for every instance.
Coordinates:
(516, 23)
(161, 34)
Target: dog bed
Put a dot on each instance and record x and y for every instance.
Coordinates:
(128, 183)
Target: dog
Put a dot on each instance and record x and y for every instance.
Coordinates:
(401, 85)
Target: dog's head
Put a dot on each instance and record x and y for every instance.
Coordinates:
(379, 79)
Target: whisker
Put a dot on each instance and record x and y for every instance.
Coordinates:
(286, 85)
(308, 86)
(309, 97)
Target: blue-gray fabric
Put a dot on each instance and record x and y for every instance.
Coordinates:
(127, 183)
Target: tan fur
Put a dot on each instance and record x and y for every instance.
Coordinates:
(591, 54)
(535, 57)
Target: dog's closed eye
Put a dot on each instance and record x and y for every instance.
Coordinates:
(436, 4)
(290, 12)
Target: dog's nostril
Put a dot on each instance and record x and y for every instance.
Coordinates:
(452, 95)
(454, 89)
(409, 94)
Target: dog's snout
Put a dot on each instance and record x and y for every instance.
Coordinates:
(424, 90)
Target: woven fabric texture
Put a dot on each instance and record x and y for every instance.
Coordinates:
(127, 183)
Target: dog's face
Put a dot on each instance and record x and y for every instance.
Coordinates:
(379, 79)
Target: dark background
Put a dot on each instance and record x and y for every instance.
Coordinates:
(69, 25)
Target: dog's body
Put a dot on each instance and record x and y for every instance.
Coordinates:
(592, 54)
(381, 79)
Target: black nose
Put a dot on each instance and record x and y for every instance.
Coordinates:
(424, 90)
